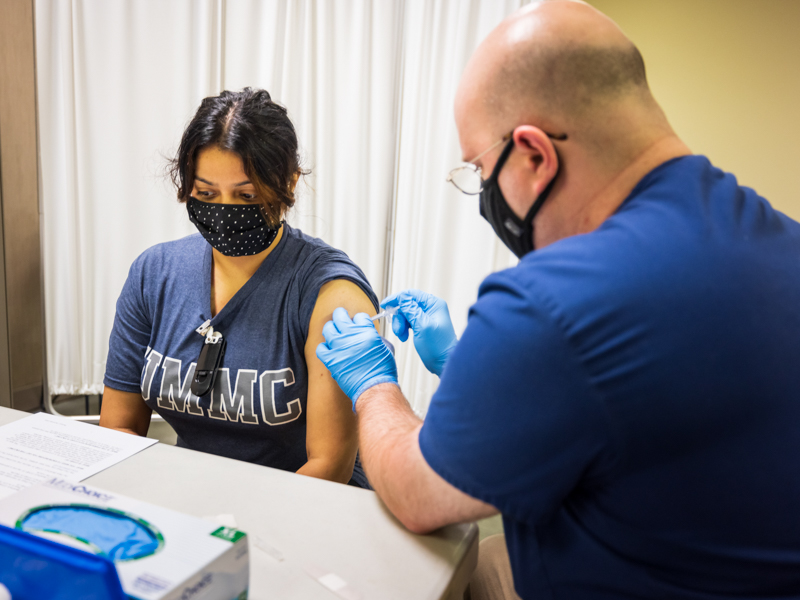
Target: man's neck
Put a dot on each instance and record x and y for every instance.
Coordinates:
(601, 202)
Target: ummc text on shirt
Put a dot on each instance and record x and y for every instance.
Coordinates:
(236, 404)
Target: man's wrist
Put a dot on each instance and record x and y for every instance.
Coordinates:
(374, 391)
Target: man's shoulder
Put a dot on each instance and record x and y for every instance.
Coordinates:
(684, 210)
(688, 227)
(582, 266)
(624, 263)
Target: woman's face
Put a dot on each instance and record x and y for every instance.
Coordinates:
(220, 178)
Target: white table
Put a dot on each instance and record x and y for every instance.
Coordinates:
(338, 528)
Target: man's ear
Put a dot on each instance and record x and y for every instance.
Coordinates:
(540, 155)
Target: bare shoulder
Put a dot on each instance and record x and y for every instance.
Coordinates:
(344, 293)
(332, 295)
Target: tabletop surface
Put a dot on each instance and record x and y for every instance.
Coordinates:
(318, 526)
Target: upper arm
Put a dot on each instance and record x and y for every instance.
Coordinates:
(125, 411)
(130, 335)
(123, 406)
(331, 424)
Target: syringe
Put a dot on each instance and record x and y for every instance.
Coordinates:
(386, 312)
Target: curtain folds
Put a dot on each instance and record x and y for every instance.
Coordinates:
(369, 85)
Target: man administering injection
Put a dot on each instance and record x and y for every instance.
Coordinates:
(627, 396)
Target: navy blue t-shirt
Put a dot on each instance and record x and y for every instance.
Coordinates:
(256, 411)
(629, 399)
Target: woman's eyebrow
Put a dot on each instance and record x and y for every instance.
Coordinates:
(206, 181)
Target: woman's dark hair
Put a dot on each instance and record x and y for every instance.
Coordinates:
(251, 125)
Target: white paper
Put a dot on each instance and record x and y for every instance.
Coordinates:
(44, 446)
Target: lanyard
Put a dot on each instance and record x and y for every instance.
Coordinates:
(209, 361)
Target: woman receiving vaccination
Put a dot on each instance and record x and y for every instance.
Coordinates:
(217, 331)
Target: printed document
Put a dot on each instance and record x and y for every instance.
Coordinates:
(44, 446)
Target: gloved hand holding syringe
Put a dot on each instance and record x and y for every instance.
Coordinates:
(358, 357)
(429, 318)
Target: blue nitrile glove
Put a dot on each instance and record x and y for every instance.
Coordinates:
(429, 319)
(355, 354)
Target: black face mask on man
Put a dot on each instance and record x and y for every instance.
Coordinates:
(515, 233)
(232, 229)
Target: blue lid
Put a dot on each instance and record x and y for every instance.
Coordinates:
(33, 568)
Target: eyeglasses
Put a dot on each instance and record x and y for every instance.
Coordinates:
(468, 178)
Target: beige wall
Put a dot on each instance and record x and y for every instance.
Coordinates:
(727, 73)
(21, 333)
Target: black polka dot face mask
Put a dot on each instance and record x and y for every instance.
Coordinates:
(232, 229)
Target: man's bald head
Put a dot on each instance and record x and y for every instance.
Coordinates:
(559, 64)
(586, 129)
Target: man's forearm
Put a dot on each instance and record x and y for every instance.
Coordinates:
(390, 453)
(387, 427)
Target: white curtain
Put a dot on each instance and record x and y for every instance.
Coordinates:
(369, 85)
(441, 243)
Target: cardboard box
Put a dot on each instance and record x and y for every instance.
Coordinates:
(160, 554)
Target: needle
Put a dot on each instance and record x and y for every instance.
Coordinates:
(387, 312)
